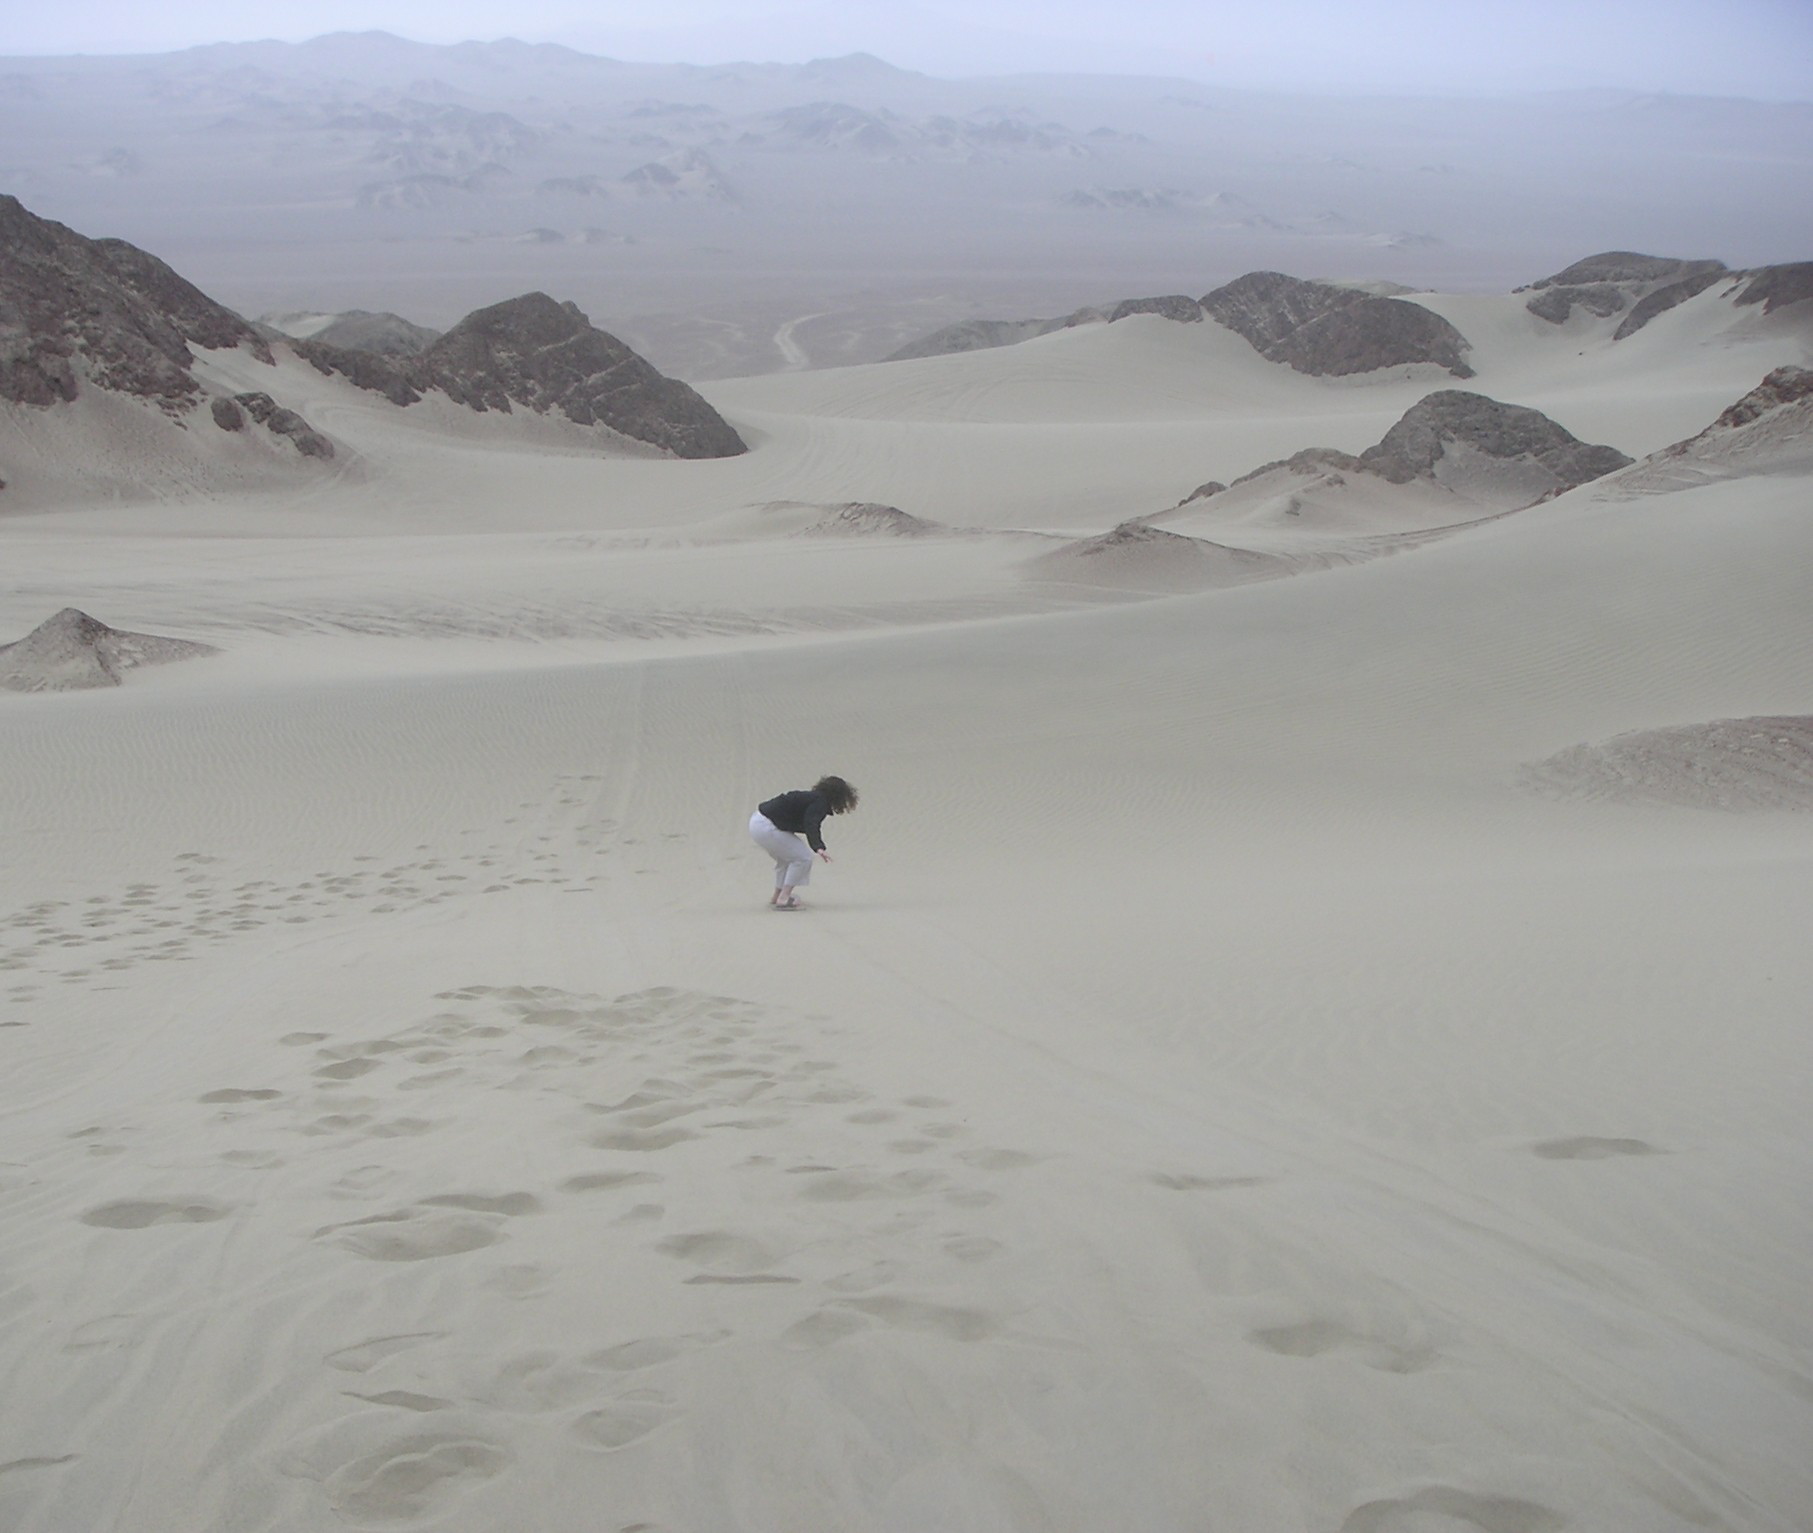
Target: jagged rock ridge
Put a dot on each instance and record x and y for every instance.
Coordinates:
(126, 316)
(544, 355)
(73, 651)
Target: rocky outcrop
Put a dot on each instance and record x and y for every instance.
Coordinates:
(1373, 333)
(73, 651)
(1266, 306)
(1660, 300)
(1334, 332)
(73, 306)
(1422, 438)
(1621, 282)
(1493, 454)
(1769, 430)
(544, 356)
(1784, 386)
(1175, 306)
(230, 415)
(1774, 287)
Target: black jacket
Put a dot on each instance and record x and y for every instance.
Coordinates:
(801, 812)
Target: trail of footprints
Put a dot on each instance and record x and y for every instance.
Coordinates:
(100, 939)
(645, 1098)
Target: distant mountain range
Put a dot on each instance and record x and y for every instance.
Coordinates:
(423, 180)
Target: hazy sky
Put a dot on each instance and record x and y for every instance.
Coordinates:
(1717, 47)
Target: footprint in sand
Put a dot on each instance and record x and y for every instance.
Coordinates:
(1587, 1147)
(135, 1214)
(1315, 1338)
(363, 1356)
(1184, 1181)
(624, 1421)
(411, 1478)
(414, 1235)
(1446, 1506)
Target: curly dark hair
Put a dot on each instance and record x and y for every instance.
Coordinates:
(837, 793)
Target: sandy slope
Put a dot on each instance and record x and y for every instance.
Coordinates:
(1207, 1090)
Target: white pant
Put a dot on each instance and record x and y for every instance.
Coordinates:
(792, 857)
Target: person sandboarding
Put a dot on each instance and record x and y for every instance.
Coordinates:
(777, 825)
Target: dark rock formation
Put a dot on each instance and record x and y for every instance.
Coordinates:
(1176, 306)
(543, 355)
(72, 651)
(1664, 298)
(1373, 333)
(1616, 280)
(1775, 287)
(1784, 386)
(1333, 332)
(1266, 306)
(1621, 266)
(281, 422)
(1414, 447)
(125, 315)
(1445, 434)
(1555, 304)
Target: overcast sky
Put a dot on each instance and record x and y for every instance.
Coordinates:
(1717, 47)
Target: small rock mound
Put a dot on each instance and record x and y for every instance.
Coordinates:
(1334, 332)
(1748, 764)
(73, 651)
(1137, 556)
(544, 355)
(1425, 437)
(1491, 455)
(863, 518)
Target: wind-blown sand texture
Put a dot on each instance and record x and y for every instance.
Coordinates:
(1207, 1090)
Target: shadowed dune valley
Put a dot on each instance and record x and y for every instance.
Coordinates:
(1305, 1025)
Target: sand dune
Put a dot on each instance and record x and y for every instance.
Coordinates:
(1208, 1087)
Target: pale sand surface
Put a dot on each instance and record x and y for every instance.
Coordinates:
(1209, 1089)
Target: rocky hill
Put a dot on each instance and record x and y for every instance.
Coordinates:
(542, 355)
(1493, 455)
(1334, 332)
(73, 308)
(1431, 431)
